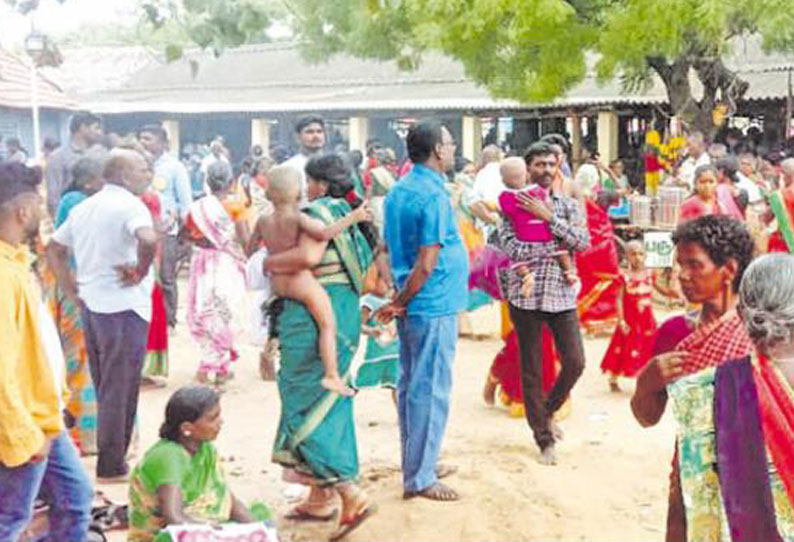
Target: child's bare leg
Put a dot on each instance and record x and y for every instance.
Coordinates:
(527, 280)
(303, 287)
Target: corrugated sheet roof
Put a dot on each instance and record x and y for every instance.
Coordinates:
(15, 86)
(274, 78)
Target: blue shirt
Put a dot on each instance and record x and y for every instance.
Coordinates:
(176, 194)
(418, 213)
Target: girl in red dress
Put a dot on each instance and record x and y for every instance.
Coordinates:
(632, 342)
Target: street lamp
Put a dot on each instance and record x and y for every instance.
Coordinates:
(35, 45)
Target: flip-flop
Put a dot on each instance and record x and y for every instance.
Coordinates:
(296, 514)
(345, 528)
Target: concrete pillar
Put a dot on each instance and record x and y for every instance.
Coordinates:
(576, 141)
(608, 135)
(260, 133)
(358, 128)
(471, 140)
(171, 128)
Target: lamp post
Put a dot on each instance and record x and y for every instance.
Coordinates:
(35, 44)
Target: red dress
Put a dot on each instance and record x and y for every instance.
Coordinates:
(599, 271)
(157, 343)
(629, 352)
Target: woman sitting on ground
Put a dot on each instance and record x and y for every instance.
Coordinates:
(180, 480)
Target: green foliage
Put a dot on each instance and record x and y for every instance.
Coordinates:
(536, 50)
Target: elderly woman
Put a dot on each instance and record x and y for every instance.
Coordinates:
(316, 439)
(712, 253)
(217, 286)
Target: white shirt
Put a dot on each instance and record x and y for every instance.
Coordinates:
(101, 234)
(488, 184)
(753, 192)
(298, 163)
(686, 172)
(51, 341)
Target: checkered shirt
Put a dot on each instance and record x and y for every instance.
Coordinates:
(551, 292)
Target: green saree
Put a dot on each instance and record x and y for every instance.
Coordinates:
(316, 434)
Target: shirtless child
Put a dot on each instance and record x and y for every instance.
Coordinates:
(279, 232)
(529, 228)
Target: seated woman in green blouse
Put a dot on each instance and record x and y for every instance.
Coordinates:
(180, 480)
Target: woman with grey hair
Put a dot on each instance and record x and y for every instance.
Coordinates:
(753, 409)
(217, 289)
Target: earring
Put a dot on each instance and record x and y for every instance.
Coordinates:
(187, 433)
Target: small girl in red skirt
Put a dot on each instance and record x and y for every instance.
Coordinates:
(632, 343)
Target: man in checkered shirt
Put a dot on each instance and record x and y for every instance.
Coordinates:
(552, 301)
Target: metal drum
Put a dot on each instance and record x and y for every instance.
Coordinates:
(641, 211)
(670, 200)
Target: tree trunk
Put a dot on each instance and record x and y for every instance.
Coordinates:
(713, 75)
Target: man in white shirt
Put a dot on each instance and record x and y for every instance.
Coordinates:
(696, 157)
(113, 240)
(311, 137)
(484, 195)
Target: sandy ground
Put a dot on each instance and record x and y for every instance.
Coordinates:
(610, 484)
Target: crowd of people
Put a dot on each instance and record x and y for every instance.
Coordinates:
(326, 247)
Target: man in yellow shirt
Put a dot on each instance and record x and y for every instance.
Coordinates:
(36, 454)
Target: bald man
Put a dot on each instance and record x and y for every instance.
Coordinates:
(486, 189)
(113, 241)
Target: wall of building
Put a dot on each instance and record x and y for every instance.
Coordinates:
(19, 123)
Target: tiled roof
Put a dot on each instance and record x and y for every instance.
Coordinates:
(274, 78)
(15, 86)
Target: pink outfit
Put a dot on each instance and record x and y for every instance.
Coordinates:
(527, 226)
(693, 207)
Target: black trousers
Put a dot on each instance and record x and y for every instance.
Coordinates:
(168, 269)
(116, 347)
(564, 327)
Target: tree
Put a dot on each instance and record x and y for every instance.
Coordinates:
(536, 50)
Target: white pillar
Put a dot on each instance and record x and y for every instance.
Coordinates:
(34, 102)
(358, 129)
(608, 135)
(576, 141)
(260, 133)
(472, 138)
(171, 128)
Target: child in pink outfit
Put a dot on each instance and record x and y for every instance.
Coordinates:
(528, 227)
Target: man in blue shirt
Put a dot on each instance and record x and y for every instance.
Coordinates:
(431, 268)
(176, 194)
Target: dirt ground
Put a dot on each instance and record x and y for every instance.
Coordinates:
(610, 483)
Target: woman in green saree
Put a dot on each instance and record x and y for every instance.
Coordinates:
(316, 439)
(180, 482)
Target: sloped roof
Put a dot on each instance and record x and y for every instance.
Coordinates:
(274, 78)
(97, 68)
(15, 82)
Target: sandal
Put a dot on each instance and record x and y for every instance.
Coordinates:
(436, 492)
(346, 526)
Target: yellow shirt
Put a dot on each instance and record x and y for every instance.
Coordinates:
(29, 409)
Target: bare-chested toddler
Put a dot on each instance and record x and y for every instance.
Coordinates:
(279, 232)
